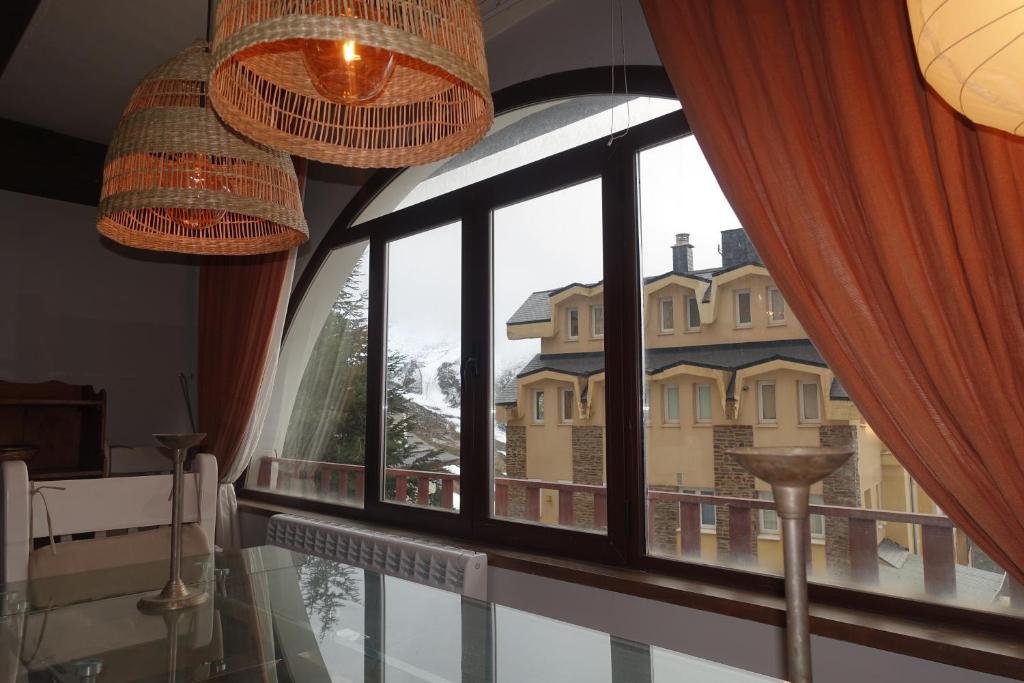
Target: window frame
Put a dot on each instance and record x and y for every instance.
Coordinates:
(563, 418)
(666, 418)
(772, 320)
(572, 317)
(802, 401)
(594, 308)
(537, 407)
(626, 542)
(697, 386)
(688, 311)
(761, 419)
(661, 315)
(740, 325)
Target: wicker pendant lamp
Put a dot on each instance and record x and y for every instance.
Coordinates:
(363, 83)
(177, 179)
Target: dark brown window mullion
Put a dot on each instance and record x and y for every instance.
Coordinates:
(623, 354)
(376, 376)
(476, 464)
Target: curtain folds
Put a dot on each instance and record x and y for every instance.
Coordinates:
(242, 304)
(894, 227)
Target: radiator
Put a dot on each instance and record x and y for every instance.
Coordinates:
(453, 569)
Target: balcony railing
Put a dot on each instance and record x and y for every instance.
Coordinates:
(585, 506)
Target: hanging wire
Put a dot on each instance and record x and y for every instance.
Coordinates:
(613, 136)
(209, 20)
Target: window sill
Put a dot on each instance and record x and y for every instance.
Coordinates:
(808, 425)
(703, 425)
(998, 652)
(744, 327)
(666, 333)
(781, 323)
(767, 425)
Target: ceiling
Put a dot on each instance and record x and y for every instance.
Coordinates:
(79, 60)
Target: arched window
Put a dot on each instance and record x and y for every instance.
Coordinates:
(551, 339)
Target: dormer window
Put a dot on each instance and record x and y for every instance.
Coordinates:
(538, 405)
(597, 321)
(692, 314)
(810, 403)
(742, 305)
(667, 315)
(573, 323)
(766, 412)
(566, 407)
(776, 307)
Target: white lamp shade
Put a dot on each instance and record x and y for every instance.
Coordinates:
(972, 53)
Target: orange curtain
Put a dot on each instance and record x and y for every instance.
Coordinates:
(238, 305)
(894, 228)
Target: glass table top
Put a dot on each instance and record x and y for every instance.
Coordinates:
(277, 615)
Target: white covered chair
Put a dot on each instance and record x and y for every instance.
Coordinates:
(31, 510)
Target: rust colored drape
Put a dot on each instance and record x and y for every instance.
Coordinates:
(894, 228)
(238, 302)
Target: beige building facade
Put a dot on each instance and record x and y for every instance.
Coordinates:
(726, 363)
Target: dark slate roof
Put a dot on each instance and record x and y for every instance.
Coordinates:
(536, 309)
(730, 357)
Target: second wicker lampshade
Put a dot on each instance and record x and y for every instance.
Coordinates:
(363, 83)
(177, 179)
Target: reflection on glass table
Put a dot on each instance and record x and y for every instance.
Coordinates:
(278, 615)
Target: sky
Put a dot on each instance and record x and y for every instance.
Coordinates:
(551, 240)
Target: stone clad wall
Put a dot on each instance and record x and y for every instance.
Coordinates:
(842, 487)
(732, 480)
(587, 468)
(515, 467)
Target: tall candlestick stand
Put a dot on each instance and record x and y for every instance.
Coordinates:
(790, 472)
(176, 595)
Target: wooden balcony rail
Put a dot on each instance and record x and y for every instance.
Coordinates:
(938, 549)
(589, 500)
(585, 506)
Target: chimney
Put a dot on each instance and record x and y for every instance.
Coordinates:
(682, 254)
(737, 249)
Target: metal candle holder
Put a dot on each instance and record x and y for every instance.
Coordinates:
(791, 471)
(176, 595)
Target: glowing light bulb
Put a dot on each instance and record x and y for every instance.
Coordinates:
(345, 72)
(197, 176)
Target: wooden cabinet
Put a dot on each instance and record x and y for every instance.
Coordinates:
(66, 423)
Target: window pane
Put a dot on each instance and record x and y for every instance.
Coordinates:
(518, 138)
(567, 401)
(547, 259)
(767, 392)
(424, 360)
(810, 401)
(777, 304)
(322, 448)
(574, 323)
(686, 253)
(672, 403)
(667, 322)
(693, 313)
(703, 402)
(597, 313)
(743, 308)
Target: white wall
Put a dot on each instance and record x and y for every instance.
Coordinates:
(77, 308)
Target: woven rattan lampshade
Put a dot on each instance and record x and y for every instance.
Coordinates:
(972, 53)
(435, 101)
(177, 179)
